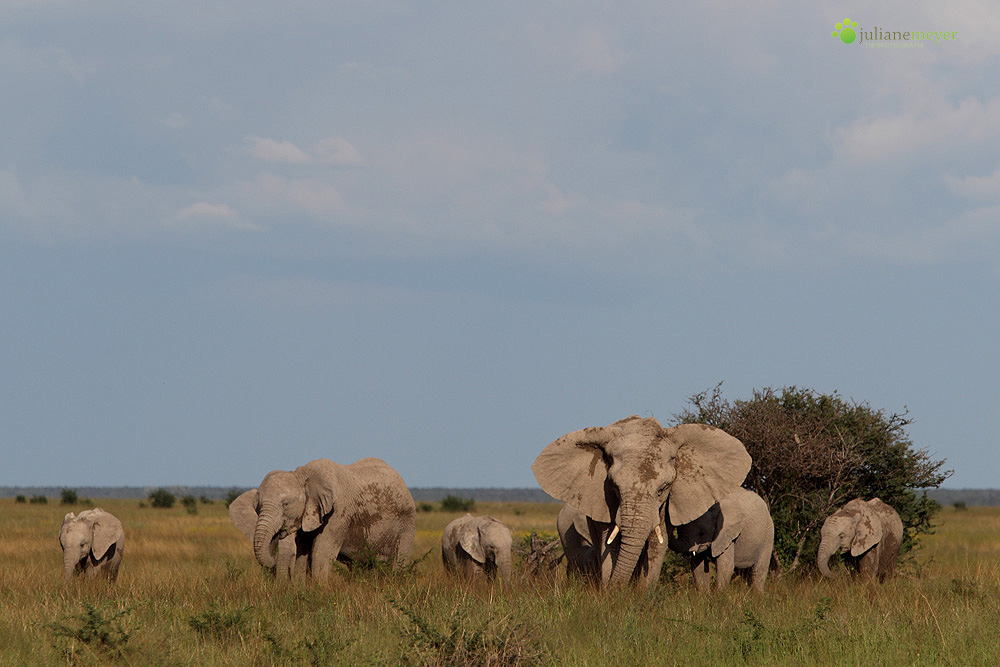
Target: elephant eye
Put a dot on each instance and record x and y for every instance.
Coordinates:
(663, 489)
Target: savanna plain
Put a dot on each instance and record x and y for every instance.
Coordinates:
(190, 593)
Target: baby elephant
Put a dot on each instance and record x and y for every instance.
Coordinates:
(474, 546)
(92, 544)
(871, 530)
(735, 533)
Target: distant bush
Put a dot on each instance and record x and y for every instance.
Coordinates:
(455, 504)
(205, 500)
(69, 497)
(425, 507)
(38, 500)
(190, 504)
(960, 506)
(231, 495)
(161, 498)
(20, 499)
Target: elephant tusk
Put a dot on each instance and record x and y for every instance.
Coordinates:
(659, 534)
(613, 535)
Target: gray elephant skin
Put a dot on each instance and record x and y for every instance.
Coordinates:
(93, 543)
(578, 544)
(735, 533)
(476, 547)
(301, 521)
(870, 532)
(623, 477)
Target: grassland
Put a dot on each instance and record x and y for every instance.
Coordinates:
(190, 593)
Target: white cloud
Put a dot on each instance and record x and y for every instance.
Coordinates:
(331, 151)
(911, 133)
(275, 195)
(202, 214)
(973, 232)
(269, 150)
(976, 187)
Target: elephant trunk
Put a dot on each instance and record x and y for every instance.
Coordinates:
(827, 548)
(635, 530)
(504, 566)
(71, 559)
(268, 524)
(286, 556)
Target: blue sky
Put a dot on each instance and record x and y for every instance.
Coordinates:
(235, 237)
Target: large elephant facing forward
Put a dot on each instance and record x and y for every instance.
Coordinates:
(871, 531)
(93, 543)
(735, 533)
(622, 477)
(324, 511)
(477, 546)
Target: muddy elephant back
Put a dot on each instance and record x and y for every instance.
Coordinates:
(385, 512)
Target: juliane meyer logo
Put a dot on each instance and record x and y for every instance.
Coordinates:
(849, 33)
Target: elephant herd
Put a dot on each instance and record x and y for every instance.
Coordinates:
(631, 490)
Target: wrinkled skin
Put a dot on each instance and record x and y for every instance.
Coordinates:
(476, 547)
(735, 533)
(622, 477)
(93, 543)
(870, 532)
(324, 512)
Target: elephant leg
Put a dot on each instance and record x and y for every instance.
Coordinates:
(325, 549)
(868, 563)
(655, 553)
(759, 572)
(700, 571)
(725, 565)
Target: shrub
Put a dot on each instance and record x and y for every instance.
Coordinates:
(20, 499)
(425, 507)
(205, 500)
(190, 503)
(452, 503)
(161, 498)
(93, 627)
(231, 495)
(814, 452)
(221, 624)
(38, 500)
(69, 497)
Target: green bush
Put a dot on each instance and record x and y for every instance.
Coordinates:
(161, 498)
(38, 500)
(69, 497)
(452, 503)
(813, 452)
(20, 499)
(425, 507)
(231, 495)
(190, 503)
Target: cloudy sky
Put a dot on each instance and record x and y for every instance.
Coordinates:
(237, 236)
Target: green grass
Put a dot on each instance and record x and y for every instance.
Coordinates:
(190, 593)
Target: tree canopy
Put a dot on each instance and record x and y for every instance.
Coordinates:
(814, 452)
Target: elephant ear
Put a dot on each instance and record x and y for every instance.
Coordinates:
(319, 480)
(868, 532)
(732, 526)
(710, 465)
(243, 512)
(572, 469)
(471, 542)
(62, 530)
(107, 530)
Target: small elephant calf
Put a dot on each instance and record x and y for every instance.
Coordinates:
(477, 546)
(93, 543)
(735, 533)
(870, 532)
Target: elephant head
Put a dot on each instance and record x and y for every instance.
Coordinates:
(287, 502)
(856, 527)
(487, 542)
(625, 473)
(88, 538)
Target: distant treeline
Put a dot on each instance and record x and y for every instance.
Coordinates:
(426, 494)
(971, 497)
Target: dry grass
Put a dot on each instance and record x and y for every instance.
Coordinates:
(190, 593)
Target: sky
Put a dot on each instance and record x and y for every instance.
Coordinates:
(239, 236)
